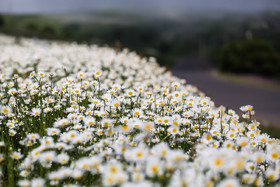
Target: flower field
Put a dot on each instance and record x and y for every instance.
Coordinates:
(78, 115)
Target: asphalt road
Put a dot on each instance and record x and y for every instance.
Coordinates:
(232, 95)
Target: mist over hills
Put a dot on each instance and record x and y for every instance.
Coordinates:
(144, 7)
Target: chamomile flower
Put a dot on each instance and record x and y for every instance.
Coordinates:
(154, 167)
(130, 92)
(24, 183)
(33, 136)
(217, 162)
(272, 175)
(6, 110)
(1, 158)
(274, 155)
(229, 183)
(81, 75)
(147, 126)
(24, 173)
(97, 73)
(139, 154)
(32, 74)
(176, 84)
(47, 156)
(36, 111)
(137, 112)
(53, 131)
(12, 132)
(173, 130)
(16, 155)
(109, 179)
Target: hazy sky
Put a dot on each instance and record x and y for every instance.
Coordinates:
(56, 6)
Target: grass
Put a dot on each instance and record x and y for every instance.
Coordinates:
(249, 80)
(270, 129)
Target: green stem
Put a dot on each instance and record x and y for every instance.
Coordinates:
(165, 137)
(11, 180)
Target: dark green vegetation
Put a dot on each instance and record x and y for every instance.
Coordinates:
(272, 130)
(187, 36)
(250, 56)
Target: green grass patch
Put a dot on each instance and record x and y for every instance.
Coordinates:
(272, 130)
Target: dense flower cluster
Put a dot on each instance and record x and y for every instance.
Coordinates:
(77, 115)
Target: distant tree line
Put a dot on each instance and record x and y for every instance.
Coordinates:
(249, 56)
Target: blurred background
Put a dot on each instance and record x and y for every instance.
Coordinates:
(229, 49)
